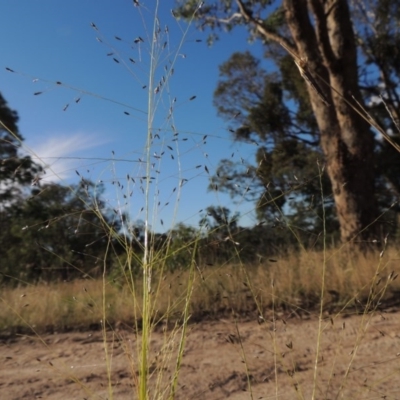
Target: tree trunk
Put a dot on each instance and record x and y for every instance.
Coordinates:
(328, 46)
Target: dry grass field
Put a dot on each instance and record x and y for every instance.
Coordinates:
(292, 283)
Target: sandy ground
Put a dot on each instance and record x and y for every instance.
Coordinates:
(359, 358)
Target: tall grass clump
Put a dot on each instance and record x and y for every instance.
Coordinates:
(133, 287)
(145, 283)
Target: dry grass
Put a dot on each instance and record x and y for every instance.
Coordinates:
(242, 289)
(62, 306)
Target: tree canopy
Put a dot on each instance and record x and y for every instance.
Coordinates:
(48, 231)
(15, 170)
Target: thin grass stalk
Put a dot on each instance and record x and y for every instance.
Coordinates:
(321, 308)
(104, 324)
(130, 280)
(365, 320)
(146, 264)
(273, 200)
(274, 344)
(332, 370)
(186, 317)
(246, 365)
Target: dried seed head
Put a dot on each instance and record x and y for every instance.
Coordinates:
(386, 238)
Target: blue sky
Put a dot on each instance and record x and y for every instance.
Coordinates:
(49, 41)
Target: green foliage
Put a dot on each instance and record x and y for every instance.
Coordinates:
(285, 176)
(216, 15)
(48, 231)
(15, 170)
(180, 246)
(219, 219)
(55, 235)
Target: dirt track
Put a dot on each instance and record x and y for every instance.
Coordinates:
(72, 365)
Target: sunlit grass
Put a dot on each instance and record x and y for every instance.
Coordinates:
(218, 291)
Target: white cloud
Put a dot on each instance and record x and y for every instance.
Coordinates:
(61, 154)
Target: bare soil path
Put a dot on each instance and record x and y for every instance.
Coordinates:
(73, 365)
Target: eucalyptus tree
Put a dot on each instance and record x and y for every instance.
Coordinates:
(331, 60)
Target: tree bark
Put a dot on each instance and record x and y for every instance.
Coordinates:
(328, 46)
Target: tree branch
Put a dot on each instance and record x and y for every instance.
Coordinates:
(322, 32)
(232, 17)
(263, 31)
